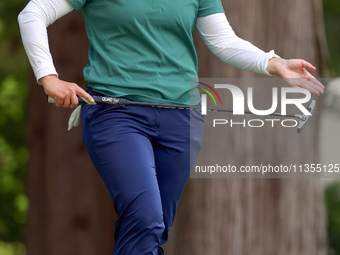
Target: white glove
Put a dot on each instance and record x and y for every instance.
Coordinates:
(76, 116)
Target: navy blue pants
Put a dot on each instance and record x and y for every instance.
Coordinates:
(144, 156)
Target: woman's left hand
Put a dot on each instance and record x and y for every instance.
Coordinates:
(295, 74)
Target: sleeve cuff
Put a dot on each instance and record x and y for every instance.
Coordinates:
(269, 55)
(44, 71)
(77, 4)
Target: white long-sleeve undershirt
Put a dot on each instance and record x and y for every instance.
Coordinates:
(214, 29)
(221, 39)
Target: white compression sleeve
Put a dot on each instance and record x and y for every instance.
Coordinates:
(220, 38)
(33, 21)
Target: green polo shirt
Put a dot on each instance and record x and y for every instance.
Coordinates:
(143, 50)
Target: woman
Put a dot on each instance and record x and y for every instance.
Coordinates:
(144, 51)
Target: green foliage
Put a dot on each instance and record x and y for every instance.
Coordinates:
(11, 248)
(332, 193)
(332, 21)
(13, 152)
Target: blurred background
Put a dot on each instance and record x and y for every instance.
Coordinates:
(33, 162)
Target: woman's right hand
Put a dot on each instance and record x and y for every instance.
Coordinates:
(64, 92)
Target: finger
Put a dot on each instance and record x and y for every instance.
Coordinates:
(315, 90)
(84, 94)
(308, 66)
(294, 82)
(318, 84)
(303, 83)
(299, 86)
(59, 102)
(74, 101)
(311, 81)
(308, 86)
(67, 102)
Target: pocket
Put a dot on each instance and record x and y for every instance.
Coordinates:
(88, 111)
(196, 114)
